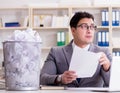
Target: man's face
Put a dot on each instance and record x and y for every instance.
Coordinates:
(84, 32)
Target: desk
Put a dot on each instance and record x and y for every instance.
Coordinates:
(52, 91)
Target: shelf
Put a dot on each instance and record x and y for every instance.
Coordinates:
(115, 27)
(46, 48)
(50, 8)
(116, 47)
(104, 27)
(13, 8)
(13, 28)
(51, 28)
(89, 7)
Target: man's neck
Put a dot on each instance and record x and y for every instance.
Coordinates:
(81, 45)
(85, 47)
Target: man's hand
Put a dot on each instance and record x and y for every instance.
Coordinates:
(104, 61)
(68, 77)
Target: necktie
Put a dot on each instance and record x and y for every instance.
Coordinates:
(78, 80)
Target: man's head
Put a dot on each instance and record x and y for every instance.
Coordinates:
(82, 27)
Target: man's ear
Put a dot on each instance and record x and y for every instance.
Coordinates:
(73, 29)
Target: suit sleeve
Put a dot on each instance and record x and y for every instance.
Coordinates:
(106, 74)
(48, 72)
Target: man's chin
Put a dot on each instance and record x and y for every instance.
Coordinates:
(89, 42)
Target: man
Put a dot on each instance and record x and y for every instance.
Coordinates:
(56, 68)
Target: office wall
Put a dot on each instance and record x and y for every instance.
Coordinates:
(14, 3)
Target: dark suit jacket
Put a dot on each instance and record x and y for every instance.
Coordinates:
(58, 61)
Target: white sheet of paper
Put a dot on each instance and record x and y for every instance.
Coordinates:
(83, 62)
(115, 74)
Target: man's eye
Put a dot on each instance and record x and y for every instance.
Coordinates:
(85, 26)
(91, 26)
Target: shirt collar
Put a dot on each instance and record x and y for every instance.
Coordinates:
(85, 48)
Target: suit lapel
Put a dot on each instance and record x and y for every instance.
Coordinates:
(68, 50)
(92, 48)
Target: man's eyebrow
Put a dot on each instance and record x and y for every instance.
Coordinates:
(87, 23)
(92, 24)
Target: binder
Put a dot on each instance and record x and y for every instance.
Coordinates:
(106, 38)
(62, 38)
(58, 39)
(12, 24)
(103, 38)
(117, 53)
(113, 18)
(113, 54)
(99, 38)
(117, 18)
(105, 19)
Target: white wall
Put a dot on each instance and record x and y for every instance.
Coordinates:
(12, 3)
(19, 3)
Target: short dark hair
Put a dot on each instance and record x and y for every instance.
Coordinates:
(78, 16)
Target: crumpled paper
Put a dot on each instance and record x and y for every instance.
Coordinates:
(25, 35)
(22, 55)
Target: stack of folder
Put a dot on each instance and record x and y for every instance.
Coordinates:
(116, 53)
(105, 19)
(12, 24)
(115, 18)
(60, 38)
(103, 38)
